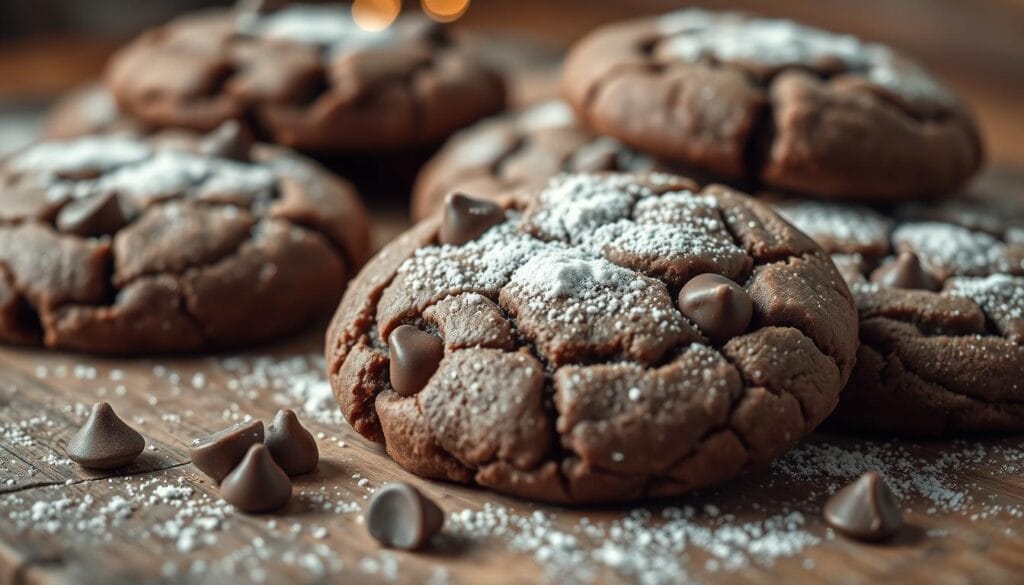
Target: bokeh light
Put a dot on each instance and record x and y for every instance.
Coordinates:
(375, 15)
(445, 10)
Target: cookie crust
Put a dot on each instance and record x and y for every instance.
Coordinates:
(770, 100)
(569, 374)
(129, 246)
(306, 77)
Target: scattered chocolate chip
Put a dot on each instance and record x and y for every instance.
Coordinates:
(218, 454)
(95, 215)
(230, 140)
(466, 219)
(257, 484)
(105, 441)
(415, 356)
(718, 306)
(399, 516)
(292, 446)
(904, 272)
(865, 509)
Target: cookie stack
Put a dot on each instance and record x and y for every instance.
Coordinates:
(575, 321)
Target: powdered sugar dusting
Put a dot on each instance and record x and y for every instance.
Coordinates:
(90, 153)
(950, 250)
(132, 169)
(838, 227)
(695, 34)
(573, 206)
(565, 274)
(1000, 296)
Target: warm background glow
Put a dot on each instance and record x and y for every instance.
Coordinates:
(374, 15)
(445, 10)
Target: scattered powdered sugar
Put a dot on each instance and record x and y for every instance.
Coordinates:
(950, 250)
(695, 34)
(648, 547)
(839, 227)
(296, 382)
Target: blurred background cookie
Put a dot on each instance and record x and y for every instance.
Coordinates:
(172, 243)
(770, 100)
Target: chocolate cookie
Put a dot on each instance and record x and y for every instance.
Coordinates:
(519, 150)
(940, 289)
(88, 110)
(770, 100)
(306, 76)
(605, 337)
(168, 244)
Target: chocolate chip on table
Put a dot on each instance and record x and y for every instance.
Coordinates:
(399, 516)
(717, 305)
(291, 445)
(466, 219)
(257, 484)
(218, 454)
(865, 509)
(105, 441)
(230, 140)
(905, 271)
(95, 215)
(414, 357)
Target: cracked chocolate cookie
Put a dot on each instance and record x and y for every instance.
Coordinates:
(605, 337)
(940, 290)
(169, 244)
(306, 76)
(773, 101)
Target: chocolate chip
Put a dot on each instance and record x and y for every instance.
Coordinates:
(105, 441)
(257, 484)
(218, 454)
(717, 305)
(415, 356)
(399, 516)
(904, 272)
(230, 140)
(291, 445)
(466, 219)
(95, 215)
(865, 509)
